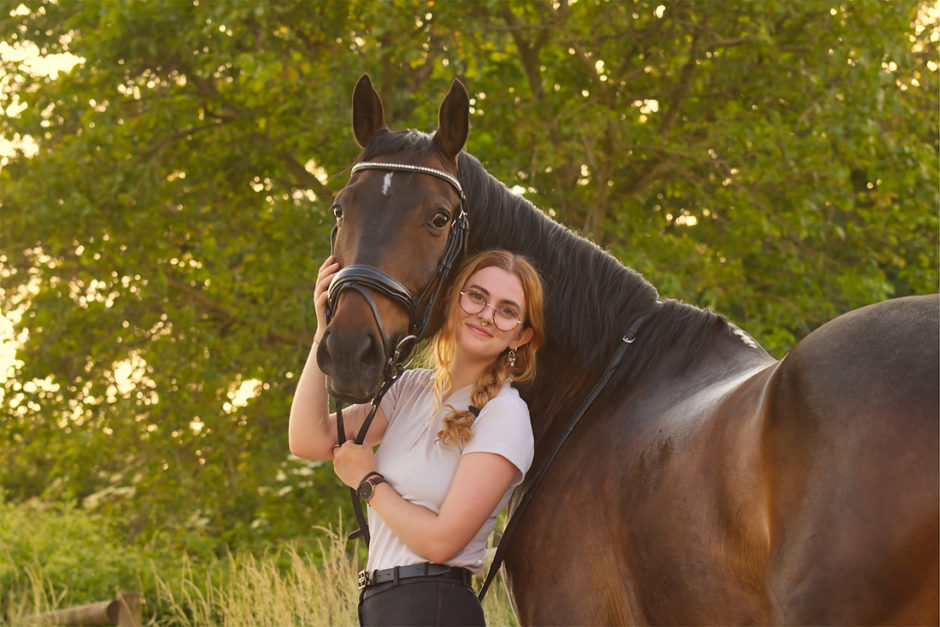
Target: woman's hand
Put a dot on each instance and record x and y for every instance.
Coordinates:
(352, 462)
(321, 292)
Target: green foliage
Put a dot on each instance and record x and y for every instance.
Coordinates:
(777, 161)
(75, 558)
(54, 556)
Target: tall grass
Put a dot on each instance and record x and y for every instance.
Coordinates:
(261, 591)
(33, 597)
(258, 592)
(283, 588)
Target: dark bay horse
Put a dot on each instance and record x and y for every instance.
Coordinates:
(708, 483)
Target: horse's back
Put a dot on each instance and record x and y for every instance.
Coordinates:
(750, 491)
(851, 457)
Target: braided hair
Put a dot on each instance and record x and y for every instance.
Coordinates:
(457, 422)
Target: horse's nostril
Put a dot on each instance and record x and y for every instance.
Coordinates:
(324, 358)
(370, 351)
(352, 363)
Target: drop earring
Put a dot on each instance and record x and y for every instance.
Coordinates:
(511, 358)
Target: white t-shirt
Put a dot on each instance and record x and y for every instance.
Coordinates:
(421, 469)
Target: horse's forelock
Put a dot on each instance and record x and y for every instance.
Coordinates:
(394, 142)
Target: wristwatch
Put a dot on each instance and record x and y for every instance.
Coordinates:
(367, 486)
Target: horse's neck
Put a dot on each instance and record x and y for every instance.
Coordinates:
(591, 298)
(592, 301)
(557, 392)
(589, 293)
(659, 363)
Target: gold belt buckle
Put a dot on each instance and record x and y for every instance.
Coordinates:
(363, 579)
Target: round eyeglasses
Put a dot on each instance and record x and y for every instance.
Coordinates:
(505, 318)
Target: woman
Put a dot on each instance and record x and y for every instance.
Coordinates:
(454, 441)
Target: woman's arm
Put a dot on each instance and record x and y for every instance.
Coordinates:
(312, 428)
(311, 432)
(480, 482)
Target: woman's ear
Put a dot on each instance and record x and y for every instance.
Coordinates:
(523, 338)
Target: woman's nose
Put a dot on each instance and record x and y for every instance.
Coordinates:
(487, 314)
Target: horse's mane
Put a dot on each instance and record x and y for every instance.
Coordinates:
(592, 298)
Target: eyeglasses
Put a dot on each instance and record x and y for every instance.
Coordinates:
(505, 318)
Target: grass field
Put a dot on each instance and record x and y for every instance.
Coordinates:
(280, 589)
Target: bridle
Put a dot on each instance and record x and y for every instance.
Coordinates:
(363, 278)
(360, 277)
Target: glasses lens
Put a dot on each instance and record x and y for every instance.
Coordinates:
(472, 301)
(505, 319)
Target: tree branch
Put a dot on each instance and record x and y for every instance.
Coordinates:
(302, 176)
(681, 88)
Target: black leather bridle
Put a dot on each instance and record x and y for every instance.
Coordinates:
(363, 278)
(359, 276)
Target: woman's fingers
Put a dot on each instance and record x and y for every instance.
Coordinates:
(325, 275)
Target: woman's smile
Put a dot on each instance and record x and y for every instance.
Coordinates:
(478, 328)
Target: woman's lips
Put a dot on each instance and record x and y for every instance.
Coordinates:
(479, 330)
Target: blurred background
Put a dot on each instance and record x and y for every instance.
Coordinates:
(166, 168)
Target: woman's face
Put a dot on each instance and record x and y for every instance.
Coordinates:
(486, 333)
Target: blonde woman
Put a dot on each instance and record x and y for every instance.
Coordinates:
(453, 441)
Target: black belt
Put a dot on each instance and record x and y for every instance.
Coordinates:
(375, 577)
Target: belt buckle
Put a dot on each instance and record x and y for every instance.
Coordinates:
(363, 579)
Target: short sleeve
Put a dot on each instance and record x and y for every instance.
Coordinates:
(410, 382)
(503, 428)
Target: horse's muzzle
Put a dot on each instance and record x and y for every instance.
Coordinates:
(353, 368)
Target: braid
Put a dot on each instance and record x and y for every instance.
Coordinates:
(457, 423)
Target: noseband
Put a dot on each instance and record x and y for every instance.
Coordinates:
(362, 279)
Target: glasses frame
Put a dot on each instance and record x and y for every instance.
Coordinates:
(486, 303)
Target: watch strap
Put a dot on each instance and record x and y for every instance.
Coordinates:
(370, 474)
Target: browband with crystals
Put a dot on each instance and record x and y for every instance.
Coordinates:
(405, 167)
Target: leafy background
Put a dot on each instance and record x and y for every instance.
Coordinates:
(164, 212)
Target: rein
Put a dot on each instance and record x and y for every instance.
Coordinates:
(615, 359)
(362, 278)
(393, 369)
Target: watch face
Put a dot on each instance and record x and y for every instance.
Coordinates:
(365, 490)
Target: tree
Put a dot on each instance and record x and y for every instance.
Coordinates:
(774, 160)
(748, 158)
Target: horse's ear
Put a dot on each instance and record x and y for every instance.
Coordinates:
(453, 121)
(368, 113)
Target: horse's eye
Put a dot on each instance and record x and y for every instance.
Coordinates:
(440, 219)
(337, 212)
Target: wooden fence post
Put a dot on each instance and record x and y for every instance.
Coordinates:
(123, 611)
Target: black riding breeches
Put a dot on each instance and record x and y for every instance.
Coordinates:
(420, 601)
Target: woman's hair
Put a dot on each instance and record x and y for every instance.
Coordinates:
(456, 424)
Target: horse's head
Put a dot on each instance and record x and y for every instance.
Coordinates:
(399, 227)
